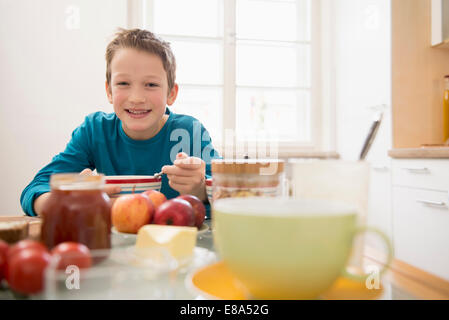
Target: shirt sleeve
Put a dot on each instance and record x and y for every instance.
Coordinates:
(75, 158)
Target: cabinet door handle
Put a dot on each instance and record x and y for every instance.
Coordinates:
(418, 170)
(432, 203)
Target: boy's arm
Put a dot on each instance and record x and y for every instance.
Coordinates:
(39, 203)
(75, 158)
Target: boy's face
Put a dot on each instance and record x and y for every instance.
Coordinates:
(139, 92)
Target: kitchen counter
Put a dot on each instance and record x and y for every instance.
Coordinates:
(422, 152)
(400, 282)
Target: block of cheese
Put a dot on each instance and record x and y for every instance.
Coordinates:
(179, 241)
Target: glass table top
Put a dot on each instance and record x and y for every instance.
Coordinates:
(395, 284)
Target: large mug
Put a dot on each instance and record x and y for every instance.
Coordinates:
(334, 180)
(285, 248)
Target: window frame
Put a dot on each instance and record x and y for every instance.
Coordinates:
(322, 86)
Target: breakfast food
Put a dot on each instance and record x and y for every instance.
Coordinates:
(247, 178)
(199, 210)
(79, 210)
(177, 212)
(26, 270)
(23, 264)
(130, 212)
(236, 193)
(156, 197)
(179, 241)
(72, 253)
(13, 231)
(4, 247)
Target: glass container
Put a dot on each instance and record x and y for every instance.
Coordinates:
(77, 210)
(247, 178)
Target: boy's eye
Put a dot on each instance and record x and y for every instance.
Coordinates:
(123, 83)
(151, 84)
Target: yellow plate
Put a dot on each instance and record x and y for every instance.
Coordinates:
(216, 282)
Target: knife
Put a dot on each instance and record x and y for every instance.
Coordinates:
(371, 135)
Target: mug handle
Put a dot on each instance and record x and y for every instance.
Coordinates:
(383, 236)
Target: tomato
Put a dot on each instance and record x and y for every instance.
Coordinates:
(19, 246)
(72, 253)
(3, 253)
(26, 270)
(25, 244)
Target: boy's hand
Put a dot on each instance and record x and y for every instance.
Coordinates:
(109, 189)
(187, 175)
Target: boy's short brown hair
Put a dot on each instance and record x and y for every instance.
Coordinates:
(146, 41)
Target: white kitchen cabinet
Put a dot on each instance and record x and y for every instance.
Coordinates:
(440, 23)
(421, 213)
(379, 206)
(379, 209)
(430, 174)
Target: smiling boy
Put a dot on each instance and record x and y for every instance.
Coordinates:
(139, 138)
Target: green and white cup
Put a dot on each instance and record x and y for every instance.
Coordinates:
(284, 248)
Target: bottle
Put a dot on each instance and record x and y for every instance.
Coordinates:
(446, 110)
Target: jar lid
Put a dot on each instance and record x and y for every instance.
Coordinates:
(252, 166)
(76, 181)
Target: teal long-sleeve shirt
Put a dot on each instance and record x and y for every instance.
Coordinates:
(100, 143)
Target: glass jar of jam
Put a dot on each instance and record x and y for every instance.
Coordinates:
(247, 178)
(77, 210)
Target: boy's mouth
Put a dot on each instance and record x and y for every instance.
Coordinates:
(137, 113)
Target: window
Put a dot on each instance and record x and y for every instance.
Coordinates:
(245, 66)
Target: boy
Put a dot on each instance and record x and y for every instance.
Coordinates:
(142, 136)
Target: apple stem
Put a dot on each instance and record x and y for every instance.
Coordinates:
(134, 188)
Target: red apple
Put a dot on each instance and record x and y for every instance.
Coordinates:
(175, 212)
(156, 197)
(130, 212)
(199, 210)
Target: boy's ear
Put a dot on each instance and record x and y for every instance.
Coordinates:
(108, 92)
(172, 95)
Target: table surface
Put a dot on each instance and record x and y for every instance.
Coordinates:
(401, 282)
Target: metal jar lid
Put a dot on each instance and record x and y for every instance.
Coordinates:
(248, 166)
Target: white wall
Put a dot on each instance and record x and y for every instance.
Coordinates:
(52, 75)
(363, 79)
(363, 73)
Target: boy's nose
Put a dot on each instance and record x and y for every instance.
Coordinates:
(137, 97)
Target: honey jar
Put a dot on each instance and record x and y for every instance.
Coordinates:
(247, 178)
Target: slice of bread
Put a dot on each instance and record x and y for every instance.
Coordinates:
(13, 231)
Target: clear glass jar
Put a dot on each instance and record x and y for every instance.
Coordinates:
(247, 178)
(77, 210)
